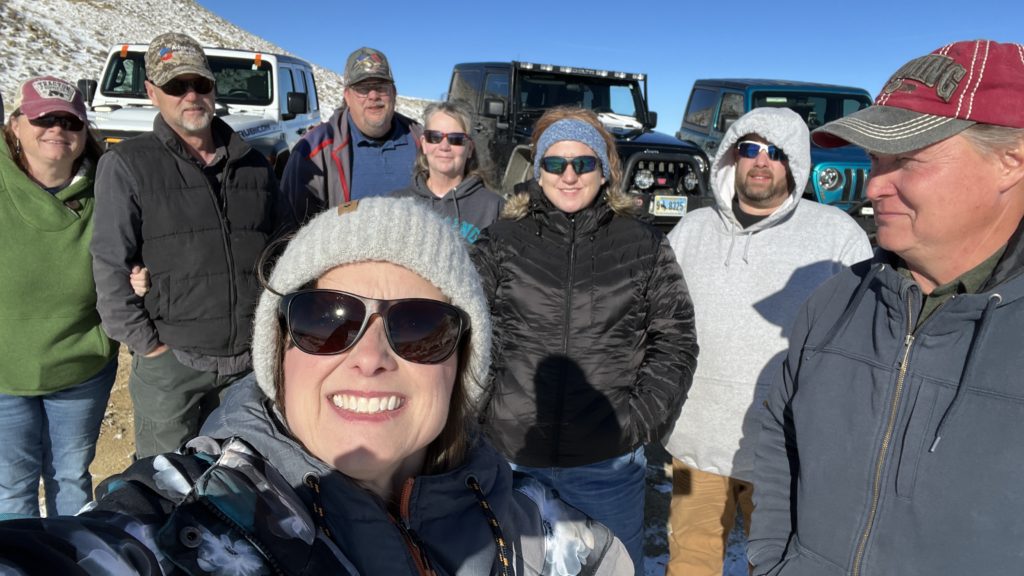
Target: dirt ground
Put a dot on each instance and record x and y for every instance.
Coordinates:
(116, 445)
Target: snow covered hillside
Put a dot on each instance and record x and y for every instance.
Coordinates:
(70, 38)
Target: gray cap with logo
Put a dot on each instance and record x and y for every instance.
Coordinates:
(367, 63)
(171, 55)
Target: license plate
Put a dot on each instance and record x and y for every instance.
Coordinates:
(668, 205)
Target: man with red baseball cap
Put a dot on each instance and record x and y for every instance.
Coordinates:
(894, 435)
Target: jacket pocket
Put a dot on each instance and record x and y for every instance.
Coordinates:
(915, 437)
(157, 298)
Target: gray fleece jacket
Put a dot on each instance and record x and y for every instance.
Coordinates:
(469, 207)
(748, 285)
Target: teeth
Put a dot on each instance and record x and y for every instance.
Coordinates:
(364, 405)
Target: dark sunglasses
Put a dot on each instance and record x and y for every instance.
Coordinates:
(454, 138)
(325, 322)
(72, 123)
(750, 149)
(580, 164)
(378, 87)
(180, 86)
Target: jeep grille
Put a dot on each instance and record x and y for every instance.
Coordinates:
(838, 185)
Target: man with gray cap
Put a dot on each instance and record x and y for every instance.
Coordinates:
(365, 149)
(195, 204)
(750, 261)
(892, 440)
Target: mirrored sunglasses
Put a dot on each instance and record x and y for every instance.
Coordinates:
(750, 149)
(363, 89)
(180, 86)
(71, 123)
(580, 164)
(454, 138)
(325, 322)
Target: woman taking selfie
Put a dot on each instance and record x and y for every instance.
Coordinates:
(56, 364)
(594, 333)
(352, 450)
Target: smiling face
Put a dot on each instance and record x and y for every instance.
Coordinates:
(371, 105)
(445, 159)
(188, 114)
(761, 183)
(942, 203)
(367, 412)
(571, 192)
(48, 149)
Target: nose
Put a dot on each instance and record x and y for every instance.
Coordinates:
(570, 175)
(372, 354)
(762, 158)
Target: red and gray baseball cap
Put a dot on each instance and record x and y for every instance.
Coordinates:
(937, 96)
(44, 95)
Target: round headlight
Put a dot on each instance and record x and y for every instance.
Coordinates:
(643, 179)
(830, 179)
(691, 182)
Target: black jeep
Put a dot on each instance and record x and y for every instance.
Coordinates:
(664, 176)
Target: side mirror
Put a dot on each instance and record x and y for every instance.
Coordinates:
(88, 89)
(297, 104)
(652, 119)
(494, 107)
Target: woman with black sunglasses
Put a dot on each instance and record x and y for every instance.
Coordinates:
(447, 173)
(595, 344)
(352, 449)
(56, 364)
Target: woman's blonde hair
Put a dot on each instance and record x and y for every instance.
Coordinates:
(619, 202)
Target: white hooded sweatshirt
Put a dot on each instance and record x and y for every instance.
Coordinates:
(748, 285)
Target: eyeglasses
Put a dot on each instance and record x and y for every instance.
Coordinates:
(325, 322)
(72, 123)
(750, 149)
(580, 164)
(180, 86)
(363, 89)
(454, 138)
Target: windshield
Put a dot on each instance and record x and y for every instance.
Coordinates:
(539, 91)
(815, 108)
(239, 81)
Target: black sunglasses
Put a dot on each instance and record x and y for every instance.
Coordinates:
(382, 88)
(325, 322)
(580, 164)
(750, 149)
(179, 86)
(454, 138)
(72, 123)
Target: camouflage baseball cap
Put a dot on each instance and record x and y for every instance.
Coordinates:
(171, 55)
(367, 63)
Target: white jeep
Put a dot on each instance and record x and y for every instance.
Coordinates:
(269, 99)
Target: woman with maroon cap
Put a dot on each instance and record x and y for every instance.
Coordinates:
(56, 364)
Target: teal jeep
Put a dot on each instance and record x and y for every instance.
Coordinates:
(838, 175)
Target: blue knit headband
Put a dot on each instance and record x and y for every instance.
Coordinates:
(577, 130)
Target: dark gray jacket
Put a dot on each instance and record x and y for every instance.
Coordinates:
(469, 207)
(242, 500)
(156, 207)
(889, 449)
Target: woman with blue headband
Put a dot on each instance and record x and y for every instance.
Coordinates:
(594, 340)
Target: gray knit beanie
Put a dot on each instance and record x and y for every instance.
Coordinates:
(402, 231)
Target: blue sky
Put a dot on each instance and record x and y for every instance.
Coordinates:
(852, 43)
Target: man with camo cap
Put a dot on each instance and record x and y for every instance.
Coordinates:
(197, 205)
(365, 149)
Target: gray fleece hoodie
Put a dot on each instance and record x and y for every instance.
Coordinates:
(747, 286)
(469, 207)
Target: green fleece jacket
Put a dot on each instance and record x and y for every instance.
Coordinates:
(50, 335)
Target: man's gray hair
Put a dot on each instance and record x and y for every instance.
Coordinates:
(990, 139)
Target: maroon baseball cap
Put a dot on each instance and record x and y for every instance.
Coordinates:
(937, 96)
(45, 94)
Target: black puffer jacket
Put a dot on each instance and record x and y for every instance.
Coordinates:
(594, 339)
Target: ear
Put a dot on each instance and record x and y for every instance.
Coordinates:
(1012, 165)
(151, 92)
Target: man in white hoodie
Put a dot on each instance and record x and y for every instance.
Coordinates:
(750, 261)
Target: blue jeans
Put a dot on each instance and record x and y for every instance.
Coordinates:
(52, 436)
(610, 491)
